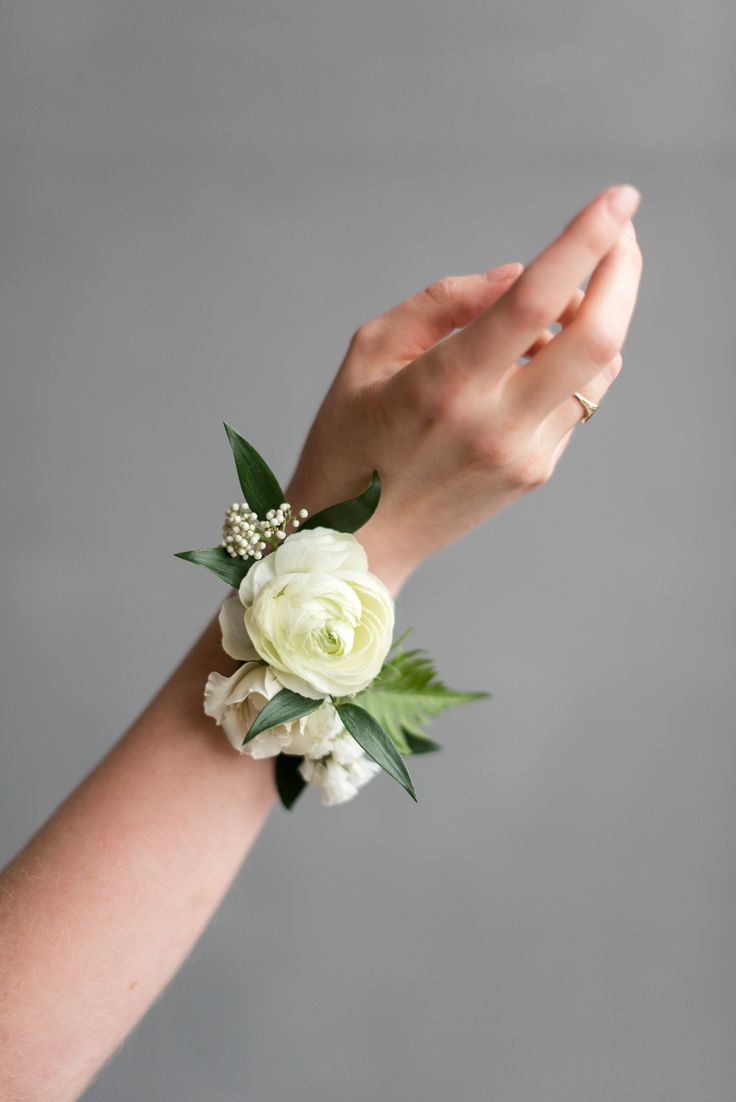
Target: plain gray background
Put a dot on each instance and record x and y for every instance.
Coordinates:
(200, 202)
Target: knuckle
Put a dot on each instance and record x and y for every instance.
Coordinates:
(442, 291)
(612, 370)
(435, 401)
(508, 453)
(529, 472)
(600, 344)
(446, 406)
(496, 450)
(367, 335)
(594, 233)
(528, 307)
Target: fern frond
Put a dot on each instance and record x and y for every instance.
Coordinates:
(406, 694)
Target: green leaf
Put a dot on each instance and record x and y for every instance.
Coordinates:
(407, 693)
(219, 562)
(376, 743)
(418, 745)
(285, 706)
(399, 640)
(289, 781)
(349, 516)
(257, 480)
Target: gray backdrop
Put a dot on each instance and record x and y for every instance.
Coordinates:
(200, 202)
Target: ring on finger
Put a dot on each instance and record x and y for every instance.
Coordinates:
(589, 407)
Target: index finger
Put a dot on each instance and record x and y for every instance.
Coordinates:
(502, 333)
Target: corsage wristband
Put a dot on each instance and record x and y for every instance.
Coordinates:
(322, 688)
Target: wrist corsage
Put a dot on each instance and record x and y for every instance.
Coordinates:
(322, 687)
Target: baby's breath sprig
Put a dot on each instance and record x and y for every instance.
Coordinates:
(245, 535)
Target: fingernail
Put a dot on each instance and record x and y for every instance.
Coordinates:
(623, 200)
(629, 229)
(506, 271)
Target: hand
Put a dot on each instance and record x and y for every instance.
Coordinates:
(459, 427)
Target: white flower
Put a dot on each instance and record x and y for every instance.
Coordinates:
(338, 782)
(314, 612)
(362, 769)
(234, 702)
(333, 760)
(318, 734)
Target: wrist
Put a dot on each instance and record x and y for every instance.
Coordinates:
(380, 546)
(383, 560)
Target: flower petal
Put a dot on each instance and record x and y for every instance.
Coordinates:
(235, 639)
(269, 743)
(259, 573)
(320, 549)
(216, 692)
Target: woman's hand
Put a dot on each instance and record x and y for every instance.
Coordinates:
(459, 427)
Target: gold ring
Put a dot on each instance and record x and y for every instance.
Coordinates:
(589, 407)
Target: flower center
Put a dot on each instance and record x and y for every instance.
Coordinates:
(331, 639)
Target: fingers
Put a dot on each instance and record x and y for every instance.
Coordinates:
(406, 331)
(585, 348)
(559, 425)
(564, 319)
(499, 336)
(570, 413)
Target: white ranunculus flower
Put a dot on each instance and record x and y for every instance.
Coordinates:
(236, 701)
(314, 612)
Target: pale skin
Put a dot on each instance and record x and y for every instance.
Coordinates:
(105, 901)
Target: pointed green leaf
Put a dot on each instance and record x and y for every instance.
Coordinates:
(289, 781)
(219, 562)
(349, 516)
(407, 693)
(376, 743)
(257, 480)
(418, 745)
(282, 708)
(399, 640)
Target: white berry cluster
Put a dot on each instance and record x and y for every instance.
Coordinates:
(245, 536)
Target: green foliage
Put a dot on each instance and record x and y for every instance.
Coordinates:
(263, 492)
(419, 745)
(406, 694)
(289, 781)
(376, 743)
(219, 562)
(281, 708)
(257, 480)
(349, 516)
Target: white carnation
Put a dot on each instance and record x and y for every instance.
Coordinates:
(332, 759)
(234, 702)
(339, 782)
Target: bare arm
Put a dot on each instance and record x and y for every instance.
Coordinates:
(106, 900)
(103, 904)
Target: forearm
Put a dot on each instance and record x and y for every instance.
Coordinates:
(107, 899)
(105, 902)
